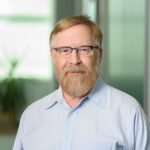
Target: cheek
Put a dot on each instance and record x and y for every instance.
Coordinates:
(90, 63)
(59, 65)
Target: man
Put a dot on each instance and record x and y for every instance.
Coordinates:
(84, 113)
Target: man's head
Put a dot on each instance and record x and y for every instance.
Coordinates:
(76, 53)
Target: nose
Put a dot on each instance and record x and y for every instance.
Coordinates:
(75, 58)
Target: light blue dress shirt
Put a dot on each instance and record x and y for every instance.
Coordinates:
(107, 119)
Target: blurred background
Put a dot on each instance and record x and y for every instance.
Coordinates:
(26, 72)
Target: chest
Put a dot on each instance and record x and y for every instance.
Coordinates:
(95, 129)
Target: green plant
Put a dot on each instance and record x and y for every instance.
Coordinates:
(12, 98)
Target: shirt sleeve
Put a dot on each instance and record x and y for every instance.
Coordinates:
(141, 131)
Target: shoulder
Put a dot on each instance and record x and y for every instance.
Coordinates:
(120, 100)
(129, 114)
(41, 104)
(125, 107)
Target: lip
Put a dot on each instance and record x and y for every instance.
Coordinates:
(76, 73)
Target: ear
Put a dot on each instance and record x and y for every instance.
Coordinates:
(100, 54)
(52, 55)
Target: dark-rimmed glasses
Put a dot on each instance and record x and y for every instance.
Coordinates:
(66, 51)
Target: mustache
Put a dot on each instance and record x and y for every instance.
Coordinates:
(80, 68)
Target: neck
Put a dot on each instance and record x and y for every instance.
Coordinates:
(72, 101)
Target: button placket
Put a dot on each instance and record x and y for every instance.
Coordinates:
(69, 130)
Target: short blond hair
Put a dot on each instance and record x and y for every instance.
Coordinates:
(75, 20)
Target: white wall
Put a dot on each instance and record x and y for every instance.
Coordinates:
(148, 90)
(147, 62)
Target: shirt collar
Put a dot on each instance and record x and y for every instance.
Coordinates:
(57, 97)
(97, 95)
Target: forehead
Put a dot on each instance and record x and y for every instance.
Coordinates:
(73, 36)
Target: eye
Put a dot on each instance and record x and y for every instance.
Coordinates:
(84, 48)
(64, 50)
